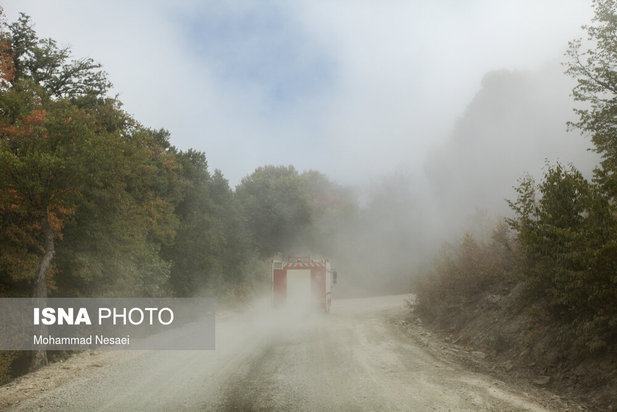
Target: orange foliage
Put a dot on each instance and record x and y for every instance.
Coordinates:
(35, 118)
(56, 218)
(7, 68)
(29, 126)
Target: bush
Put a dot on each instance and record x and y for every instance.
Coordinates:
(460, 274)
(566, 228)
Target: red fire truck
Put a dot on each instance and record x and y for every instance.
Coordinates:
(302, 281)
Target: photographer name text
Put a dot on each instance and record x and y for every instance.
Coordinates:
(82, 340)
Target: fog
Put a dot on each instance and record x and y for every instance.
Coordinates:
(430, 111)
(512, 127)
(354, 91)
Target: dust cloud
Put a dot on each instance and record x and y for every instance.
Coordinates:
(514, 125)
(352, 91)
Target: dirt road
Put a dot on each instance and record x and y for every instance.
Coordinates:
(354, 359)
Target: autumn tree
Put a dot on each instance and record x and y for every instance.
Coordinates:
(51, 136)
(111, 246)
(44, 135)
(7, 68)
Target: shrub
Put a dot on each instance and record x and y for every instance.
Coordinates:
(567, 230)
(459, 274)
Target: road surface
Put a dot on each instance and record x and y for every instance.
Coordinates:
(355, 359)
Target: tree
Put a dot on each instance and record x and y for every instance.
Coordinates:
(111, 246)
(46, 129)
(210, 247)
(276, 208)
(39, 171)
(333, 212)
(44, 134)
(40, 177)
(594, 66)
(551, 225)
(7, 67)
(42, 62)
(566, 235)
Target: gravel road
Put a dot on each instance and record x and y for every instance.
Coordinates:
(353, 359)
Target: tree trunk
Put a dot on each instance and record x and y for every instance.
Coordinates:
(39, 357)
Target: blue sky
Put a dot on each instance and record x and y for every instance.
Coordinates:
(260, 48)
(355, 89)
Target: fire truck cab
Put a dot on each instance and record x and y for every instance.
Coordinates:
(302, 282)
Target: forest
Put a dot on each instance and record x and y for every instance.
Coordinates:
(560, 242)
(540, 292)
(94, 203)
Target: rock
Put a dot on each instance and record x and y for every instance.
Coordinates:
(478, 355)
(493, 298)
(542, 380)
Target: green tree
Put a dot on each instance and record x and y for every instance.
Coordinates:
(566, 236)
(40, 170)
(73, 164)
(334, 213)
(275, 205)
(111, 246)
(42, 154)
(552, 227)
(40, 175)
(44, 63)
(210, 246)
(593, 64)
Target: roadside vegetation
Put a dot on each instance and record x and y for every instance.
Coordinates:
(94, 203)
(543, 290)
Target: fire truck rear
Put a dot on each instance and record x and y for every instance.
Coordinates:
(302, 282)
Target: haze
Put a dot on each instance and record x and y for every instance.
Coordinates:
(376, 134)
(430, 110)
(354, 91)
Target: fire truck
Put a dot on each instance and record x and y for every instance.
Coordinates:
(302, 282)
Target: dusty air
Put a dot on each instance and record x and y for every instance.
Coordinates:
(381, 206)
